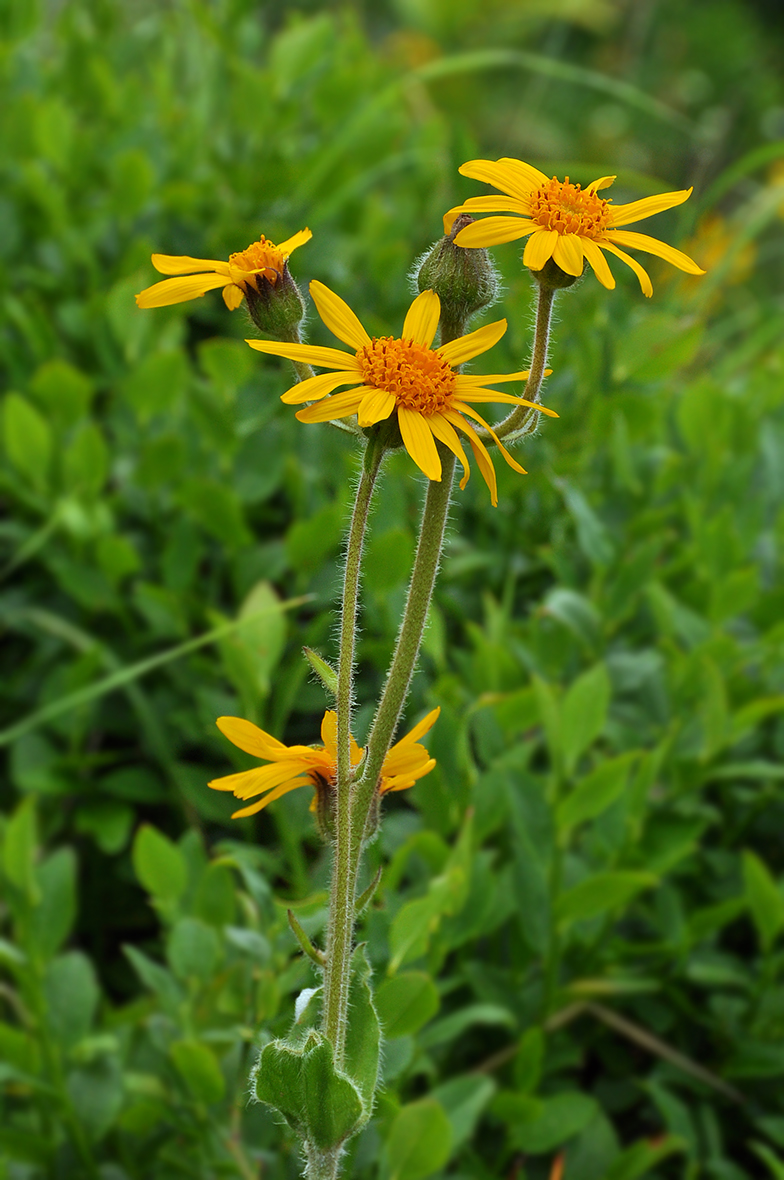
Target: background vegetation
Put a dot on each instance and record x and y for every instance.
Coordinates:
(583, 902)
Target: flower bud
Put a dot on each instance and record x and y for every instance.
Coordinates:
(276, 307)
(465, 280)
(552, 278)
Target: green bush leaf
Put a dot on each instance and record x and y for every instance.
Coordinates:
(584, 713)
(405, 1002)
(764, 899)
(53, 917)
(72, 994)
(464, 1099)
(602, 892)
(420, 1140)
(363, 1035)
(159, 864)
(553, 1121)
(595, 793)
(199, 1069)
(193, 950)
(19, 849)
(28, 440)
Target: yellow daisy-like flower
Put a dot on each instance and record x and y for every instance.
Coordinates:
(405, 376)
(563, 221)
(235, 276)
(297, 766)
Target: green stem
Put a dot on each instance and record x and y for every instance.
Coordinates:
(345, 858)
(420, 591)
(523, 420)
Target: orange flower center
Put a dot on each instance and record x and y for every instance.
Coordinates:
(262, 255)
(564, 207)
(419, 378)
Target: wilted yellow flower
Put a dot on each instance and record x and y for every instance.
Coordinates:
(261, 259)
(297, 766)
(563, 221)
(404, 376)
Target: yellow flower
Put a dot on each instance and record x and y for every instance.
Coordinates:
(565, 223)
(235, 276)
(297, 766)
(403, 376)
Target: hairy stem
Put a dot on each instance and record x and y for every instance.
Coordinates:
(522, 420)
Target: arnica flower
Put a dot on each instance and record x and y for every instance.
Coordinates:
(563, 221)
(406, 377)
(297, 766)
(261, 260)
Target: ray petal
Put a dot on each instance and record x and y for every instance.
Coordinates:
(597, 185)
(652, 246)
(508, 175)
(447, 435)
(568, 254)
(179, 290)
(294, 242)
(329, 733)
(539, 248)
(283, 789)
(466, 380)
(338, 316)
(484, 462)
(314, 388)
(340, 405)
(248, 737)
(402, 782)
(421, 322)
(599, 264)
(233, 296)
(419, 442)
(463, 409)
(494, 231)
(642, 274)
(466, 347)
(183, 264)
(528, 175)
(313, 354)
(420, 729)
(492, 204)
(637, 210)
(376, 405)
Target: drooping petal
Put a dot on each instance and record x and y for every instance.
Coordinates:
(179, 290)
(402, 782)
(626, 237)
(464, 409)
(539, 248)
(329, 733)
(568, 254)
(338, 316)
(445, 433)
(510, 176)
(418, 441)
(466, 347)
(183, 264)
(420, 729)
(340, 405)
(283, 789)
(313, 354)
(493, 231)
(314, 388)
(421, 321)
(233, 296)
(248, 737)
(294, 242)
(484, 462)
(599, 264)
(477, 396)
(603, 182)
(637, 210)
(375, 407)
(642, 274)
(492, 204)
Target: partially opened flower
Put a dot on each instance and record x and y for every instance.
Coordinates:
(244, 272)
(404, 376)
(299, 766)
(564, 222)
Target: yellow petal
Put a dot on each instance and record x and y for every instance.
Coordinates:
(603, 182)
(492, 204)
(637, 210)
(179, 290)
(493, 231)
(314, 388)
(465, 380)
(444, 432)
(402, 782)
(340, 405)
(599, 264)
(182, 264)
(248, 737)
(273, 795)
(293, 243)
(338, 316)
(375, 407)
(526, 173)
(421, 728)
(642, 274)
(539, 248)
(466, 347)
(568, 254)
(652, 246)
(463, 409)
(475, 395)
(233, 296)
(418, 441)
(329, 734)
(313, 354)
(510, 176)
(484, 462)
(421, 321)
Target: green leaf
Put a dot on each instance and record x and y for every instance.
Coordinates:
(321, 1104)
(251, 653)
(363, 1035)
(228, 363)
(764, 899)
(550, 717)
(602, 892)
(529, 1060)
(405, 1002)
(464, 1099)
(159, 864)
(420, 1140)
(217, 509)
(28, 440)
(193, 950)
(19, 847)
(453, 1026)
(637, 1161)
(86, 461)
(553, 1121)
(53, 917)
(155, 977)
(595, 793)
(199, 1069)
(72, 995)
(64, 391)
(774, 1163)
(96, 1091)
(216, 900)
(157, 383)
(584, 713)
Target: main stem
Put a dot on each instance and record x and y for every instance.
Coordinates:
(345, 861)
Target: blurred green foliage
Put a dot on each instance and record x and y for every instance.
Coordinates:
(577, 938)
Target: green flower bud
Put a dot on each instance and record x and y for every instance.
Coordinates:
(552, 277)
(465, 280)
(276, 308)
